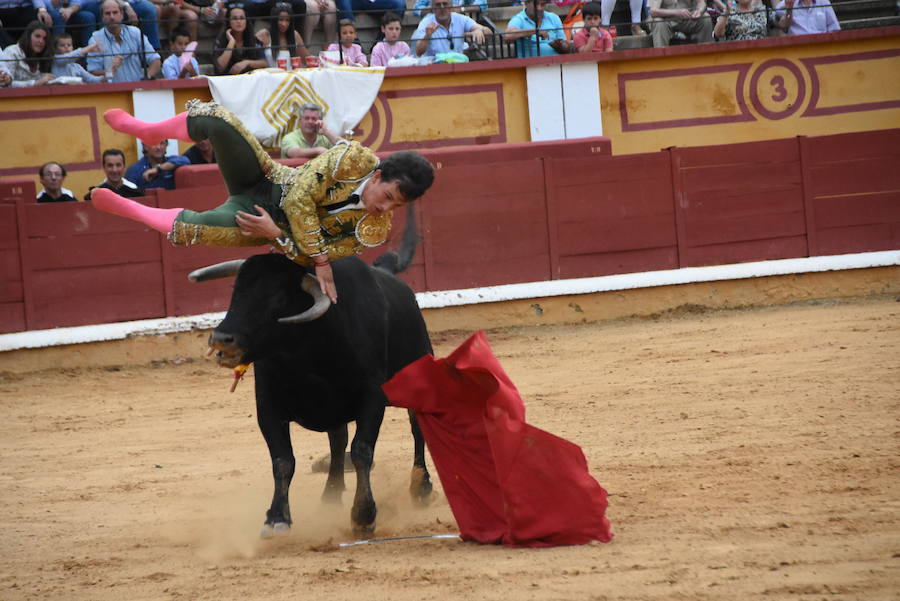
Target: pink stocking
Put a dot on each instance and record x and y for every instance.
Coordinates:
(149, 133)
(159, 219)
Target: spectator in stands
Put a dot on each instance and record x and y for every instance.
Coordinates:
(385, 50)
(15, 15)
(743, 22)
(142, 14)
(351, 53)
(237, 50)
(179, 65)
(347, 7)
(687, 16)
(52, 176)
(155, 169)
(256, 9)
(326, 12)
(526, 31)
(592, 37)
(125, 53)
(807, 16)
(445, 31)
(28, 62)
(73, 15)
(65, 61)
(113, 161)
(470, 8)
(281, 40)
(312, 139)
(636, 6)
(201, 153)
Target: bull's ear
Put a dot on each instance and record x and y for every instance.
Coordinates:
(227, 269)
(321, 303)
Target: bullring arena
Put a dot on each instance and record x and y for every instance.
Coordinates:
(749, 453)
(687, 259)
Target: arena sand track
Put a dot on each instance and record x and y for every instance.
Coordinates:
(748, 454)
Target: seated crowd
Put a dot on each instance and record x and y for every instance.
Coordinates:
(93, 41)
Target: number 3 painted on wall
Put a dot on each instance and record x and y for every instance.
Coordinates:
(781, 93)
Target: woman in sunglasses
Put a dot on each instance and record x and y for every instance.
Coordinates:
(236, 50)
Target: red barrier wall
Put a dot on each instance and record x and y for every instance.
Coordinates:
(497, 214)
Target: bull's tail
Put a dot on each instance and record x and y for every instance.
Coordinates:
(399, 260)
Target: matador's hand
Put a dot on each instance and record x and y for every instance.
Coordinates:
(257, 226)
(326, 281)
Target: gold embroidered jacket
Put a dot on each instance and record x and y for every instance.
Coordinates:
(329, 178)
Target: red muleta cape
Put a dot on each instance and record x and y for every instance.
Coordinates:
(507, 482)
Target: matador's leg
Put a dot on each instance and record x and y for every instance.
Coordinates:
(241, 159)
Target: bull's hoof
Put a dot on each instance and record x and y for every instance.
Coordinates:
(276, 529)
(332, 496)
(420, 487)
(363, 530)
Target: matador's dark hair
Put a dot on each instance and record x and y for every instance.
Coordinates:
(412, 172)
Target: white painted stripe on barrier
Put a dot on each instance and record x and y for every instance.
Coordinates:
(649, 279)
(491, 294)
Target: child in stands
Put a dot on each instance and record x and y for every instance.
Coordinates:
(181, 63)
(65, 60)
(391, 47)
(352, 53)
(592, 37)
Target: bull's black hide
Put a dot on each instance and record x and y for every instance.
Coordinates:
(324, 373)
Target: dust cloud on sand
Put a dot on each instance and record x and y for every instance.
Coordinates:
(748, 454)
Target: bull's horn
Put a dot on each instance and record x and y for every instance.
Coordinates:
(321, 303)
(219, 270)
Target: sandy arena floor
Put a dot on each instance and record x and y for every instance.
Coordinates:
(748, 454)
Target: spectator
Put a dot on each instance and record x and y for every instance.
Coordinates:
(192, 12)
(470, 8)
(201, 153)
(742, 23)
(312, 139)
(592, 37)
(326, 11)
(75, 17)
(286, 41)
(687, 16)
(528, 35)
(810, 16)
(347, 7)
(155, 169)
(384, 51)
(351, 53)
(141, 13)
(636, 6)
(17, 14)
(28, 62)
(179, 65)
(113, 161)
(65, 63)
(52, 177)
(125, 53)
(256, 9)
(445, 31)
(237, 50)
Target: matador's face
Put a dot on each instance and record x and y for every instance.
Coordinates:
(380, 196)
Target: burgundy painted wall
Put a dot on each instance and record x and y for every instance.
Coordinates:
(497, 214)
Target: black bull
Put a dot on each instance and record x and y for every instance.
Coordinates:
(322, 371)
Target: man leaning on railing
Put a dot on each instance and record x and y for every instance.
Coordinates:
(125, 53)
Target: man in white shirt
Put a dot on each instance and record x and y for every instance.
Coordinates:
(445, 31)
(806, 16)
